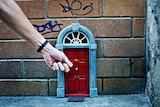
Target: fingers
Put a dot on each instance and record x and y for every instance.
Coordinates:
(60, 66)
(66, 60)
(66, 67)
(52, 55)
(55, 66)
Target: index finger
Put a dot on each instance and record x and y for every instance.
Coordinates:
(68, 62)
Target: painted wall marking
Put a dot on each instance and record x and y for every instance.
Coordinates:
(76, 5)
(48, 27)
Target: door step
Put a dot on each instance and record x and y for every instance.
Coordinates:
(76, 99)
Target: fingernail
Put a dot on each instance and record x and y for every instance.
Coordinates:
(71, 64)
(66, 71)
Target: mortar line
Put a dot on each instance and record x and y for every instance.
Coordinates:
(131, 68)
(102, 8)
(22, 69)
(48, 85)
(45, 9)
(132, 27)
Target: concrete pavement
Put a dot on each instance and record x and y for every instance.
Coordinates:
(134, 100)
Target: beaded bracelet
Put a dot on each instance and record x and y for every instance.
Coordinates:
(42, 46)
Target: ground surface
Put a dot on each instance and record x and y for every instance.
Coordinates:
(135, 100)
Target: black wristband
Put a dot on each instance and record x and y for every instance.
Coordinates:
(42, 46)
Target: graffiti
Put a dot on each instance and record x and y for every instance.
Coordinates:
(48, 27)
(75, 6)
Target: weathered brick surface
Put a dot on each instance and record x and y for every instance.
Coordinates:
(32, 8)
(124, 48)
(123, 86)
(51, 28)
(19, 49)
(20, 87)
(113, 68)
(108, 27)
(120, 45)
(7, 32)
(10, 69)
(99, 48)
(77, 8)
(124, 7)
(48, 28)
(99, 85)
(139, 28)
(138, 67)
(52, 87)
(38, 69)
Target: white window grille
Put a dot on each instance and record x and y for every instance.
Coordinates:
(75, 38)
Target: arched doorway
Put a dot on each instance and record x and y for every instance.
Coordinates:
(79, 45)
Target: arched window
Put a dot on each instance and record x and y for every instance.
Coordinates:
(77, 38)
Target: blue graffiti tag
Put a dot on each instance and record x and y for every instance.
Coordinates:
(48, 27)
(78, 6)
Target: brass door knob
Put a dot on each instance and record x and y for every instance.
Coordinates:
(76, 60)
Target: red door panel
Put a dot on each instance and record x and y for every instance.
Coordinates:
(82, 84)
(70, 82)
(77, 80)
(82, 68)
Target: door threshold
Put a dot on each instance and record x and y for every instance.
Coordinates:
(84, 95)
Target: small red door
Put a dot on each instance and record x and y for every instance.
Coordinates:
(77, 80)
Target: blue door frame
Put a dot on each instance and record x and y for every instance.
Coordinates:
(92, 46)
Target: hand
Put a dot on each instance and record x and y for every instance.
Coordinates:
(56, 59)
(13, 16)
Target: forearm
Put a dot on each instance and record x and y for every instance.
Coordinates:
(12, 15)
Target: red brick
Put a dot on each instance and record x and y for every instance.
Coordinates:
(7, 32)
(113, 68)
(99, 85)
(123, 86)
(32, 8)
(108, 27)
(138, 67)
(53, 87)
(124, 7)
(139, 28)
(18, 49)
(10, 69)
(24, 87)
(38, 69)
(99, 48)
(55, 10)
(124, 48)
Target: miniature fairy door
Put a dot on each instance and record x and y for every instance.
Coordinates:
(78, 43)
(77, 80)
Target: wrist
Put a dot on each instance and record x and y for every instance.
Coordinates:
(40, 48)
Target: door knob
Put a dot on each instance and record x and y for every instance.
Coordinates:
(76, 68)
(76, 60)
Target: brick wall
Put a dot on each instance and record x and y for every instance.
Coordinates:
(118, 27)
